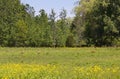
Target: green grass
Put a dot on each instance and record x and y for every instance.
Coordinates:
(61, 56)
(59, 63)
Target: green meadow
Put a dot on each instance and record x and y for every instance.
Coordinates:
(61, 56)
(60, 63)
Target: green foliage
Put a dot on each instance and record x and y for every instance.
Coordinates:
(70, 41)
(62, 29)
(12, 22)
(52, 18)
(99, 19)
(96, 24)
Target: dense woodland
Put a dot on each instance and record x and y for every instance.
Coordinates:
(96, 23)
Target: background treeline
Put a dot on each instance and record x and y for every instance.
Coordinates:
(96, 23)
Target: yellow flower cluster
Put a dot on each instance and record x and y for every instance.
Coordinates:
(33, 71)
(97, 72)
(25, 71)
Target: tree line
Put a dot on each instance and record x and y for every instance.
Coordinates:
(96, 23)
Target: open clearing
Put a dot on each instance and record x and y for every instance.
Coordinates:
(59, 63)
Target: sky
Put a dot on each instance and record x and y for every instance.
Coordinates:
(47, 5)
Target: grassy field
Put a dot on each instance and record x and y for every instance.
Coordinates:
(59, 63)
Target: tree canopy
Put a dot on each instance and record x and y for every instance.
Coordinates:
(96, 23)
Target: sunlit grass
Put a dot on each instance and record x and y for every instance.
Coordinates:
(59, 63)
(62, 56)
